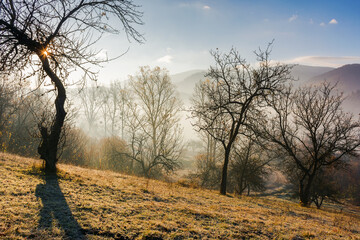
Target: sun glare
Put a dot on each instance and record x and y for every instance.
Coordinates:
(45, 53)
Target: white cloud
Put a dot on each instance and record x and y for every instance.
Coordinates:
(322, 24)
(333, 21)
(102, 55)
(325, 61)
(195, 4)
(293, 18)
(165, 59)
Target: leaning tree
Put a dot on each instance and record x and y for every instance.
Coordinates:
(232, 97)
(51, 39)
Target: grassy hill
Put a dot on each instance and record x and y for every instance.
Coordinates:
(90, 204)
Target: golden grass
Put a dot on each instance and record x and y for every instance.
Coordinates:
(93, 204)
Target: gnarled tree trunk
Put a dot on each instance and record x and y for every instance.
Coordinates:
(49, 144)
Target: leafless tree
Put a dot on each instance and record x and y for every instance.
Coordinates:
(310, 127)
(53, 39)
(90, 105)
(9, 93)
(232, 96)
(155, 134)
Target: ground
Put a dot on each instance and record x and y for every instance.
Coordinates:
(83, 203)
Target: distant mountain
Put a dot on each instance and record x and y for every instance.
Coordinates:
(347, 77)
(186, 86)
(305, 73)
(179, 77)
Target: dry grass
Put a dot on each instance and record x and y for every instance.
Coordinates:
(91, 204)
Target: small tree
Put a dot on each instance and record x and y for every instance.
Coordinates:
(314, 133)
(232, 96)
(325, 186)
(153, 120)
(111, 157)
(249, 168)
(52, 39)
(208, 171)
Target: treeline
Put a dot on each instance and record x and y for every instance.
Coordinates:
(132, 128)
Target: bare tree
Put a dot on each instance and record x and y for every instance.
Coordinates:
(208, 171)
(232, 96)
(155, 135)
(52, 39)
(9, 93)
(104, 103)
(90, 105)
(312, 130)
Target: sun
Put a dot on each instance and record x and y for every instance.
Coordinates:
(45, 53)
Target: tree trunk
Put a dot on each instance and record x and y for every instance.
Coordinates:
(304, 192)
(224, 172)
(49, 143)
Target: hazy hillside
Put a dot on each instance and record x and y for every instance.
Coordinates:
(305, 73)
(179, 77)
(347, 77)
(186, 85)
(91, 204)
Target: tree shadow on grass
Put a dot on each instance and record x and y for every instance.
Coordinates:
(55, 208)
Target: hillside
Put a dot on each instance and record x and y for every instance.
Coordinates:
(186, 85)
(93, 204)
(347, 77)
(304, 73)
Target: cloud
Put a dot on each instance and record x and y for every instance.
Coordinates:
(102, 55)
(165, 59)
(293, 18)
(196, 4)
(325, 61)
(322, 24)
(333, 21)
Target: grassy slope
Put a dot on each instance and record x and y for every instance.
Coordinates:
(94, 204)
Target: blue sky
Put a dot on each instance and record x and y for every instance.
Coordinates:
(179, 33)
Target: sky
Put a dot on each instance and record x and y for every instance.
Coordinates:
(179, 34)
